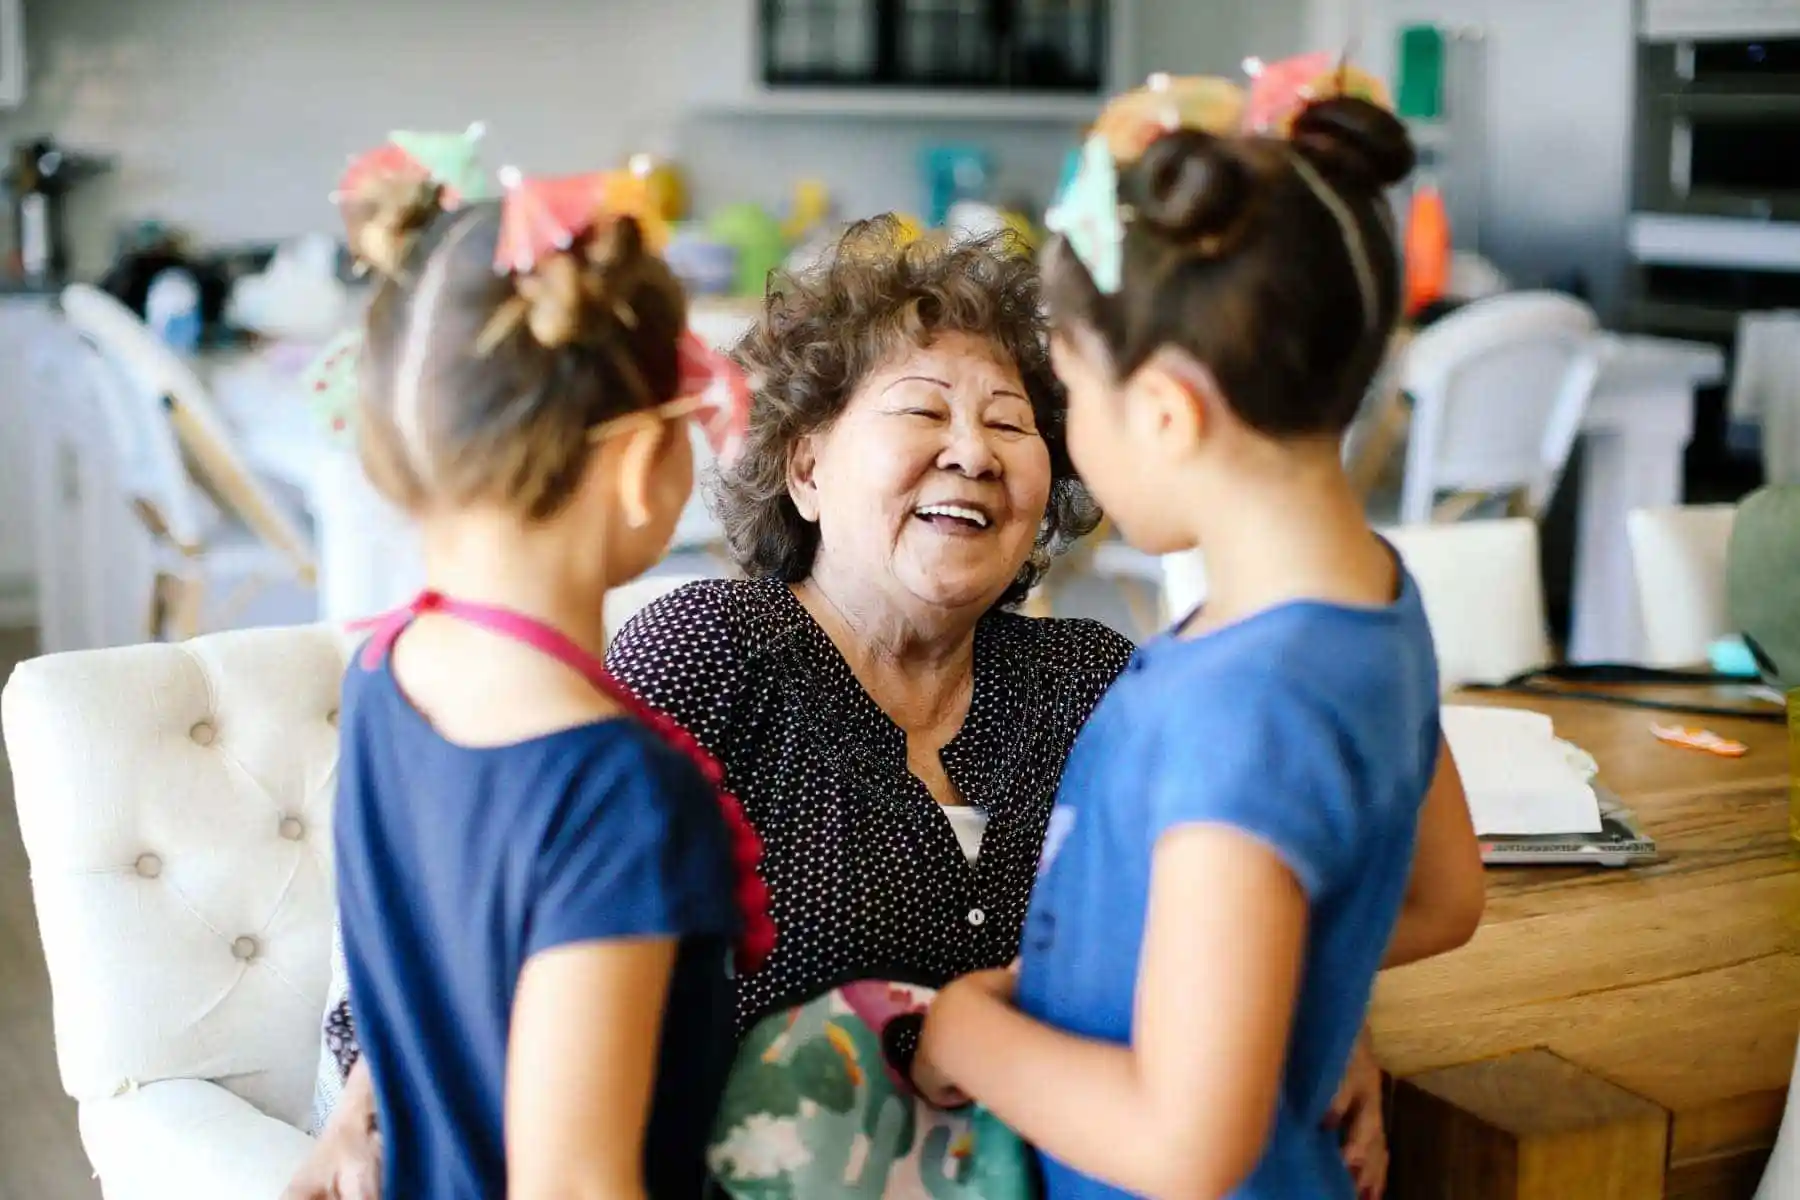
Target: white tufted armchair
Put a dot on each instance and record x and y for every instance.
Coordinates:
(176, 803)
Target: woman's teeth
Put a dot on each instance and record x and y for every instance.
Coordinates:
(955, 512)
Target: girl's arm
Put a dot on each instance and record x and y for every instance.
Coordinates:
(581, 1062)
(1186, 1110)
(1446, 891)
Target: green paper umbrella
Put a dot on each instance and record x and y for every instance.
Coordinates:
(452, 158)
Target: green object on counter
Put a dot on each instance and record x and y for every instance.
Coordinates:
(756, 236)
(1419, 95)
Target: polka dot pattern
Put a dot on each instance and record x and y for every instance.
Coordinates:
(866, 876)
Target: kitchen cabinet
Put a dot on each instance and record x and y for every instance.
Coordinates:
(728, 71)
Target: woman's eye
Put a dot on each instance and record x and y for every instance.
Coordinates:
(1010, 427)
(928, 414)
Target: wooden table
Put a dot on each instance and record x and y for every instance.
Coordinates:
(1615, 1033)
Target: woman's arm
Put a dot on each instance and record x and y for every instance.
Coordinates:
(1185, 1110)
(1446, 892)
(581, 1062)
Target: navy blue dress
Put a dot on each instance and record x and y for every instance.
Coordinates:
(456, 865)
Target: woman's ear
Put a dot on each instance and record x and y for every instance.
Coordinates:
(640, 450)
(1172, 400)
(802, 488)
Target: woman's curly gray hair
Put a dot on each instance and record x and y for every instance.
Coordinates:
(820, 334)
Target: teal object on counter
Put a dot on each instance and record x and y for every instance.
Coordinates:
(953, 173)
(1419, 95)
(1730, 656)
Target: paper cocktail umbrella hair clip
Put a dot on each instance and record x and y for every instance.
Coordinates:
(721, 391)
(451, 160)
(1279, 90)
(542, 217)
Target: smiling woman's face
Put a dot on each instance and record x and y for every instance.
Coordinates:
(932, 483)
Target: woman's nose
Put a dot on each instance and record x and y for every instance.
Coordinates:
(969, 451)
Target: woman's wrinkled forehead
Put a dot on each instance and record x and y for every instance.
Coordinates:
(960, 361)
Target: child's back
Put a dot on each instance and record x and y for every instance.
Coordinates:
(1314, 729)
(455, 865)
(541, 888)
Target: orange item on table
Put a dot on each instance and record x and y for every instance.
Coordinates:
(1699, 739)
(1427, 249)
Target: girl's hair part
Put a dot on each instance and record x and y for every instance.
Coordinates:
(482, 387)
(1271, 261)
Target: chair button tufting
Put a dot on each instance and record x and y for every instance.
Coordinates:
(331, 718)
(292, 828)
(244, 949)
(203, 733)
(148, 865)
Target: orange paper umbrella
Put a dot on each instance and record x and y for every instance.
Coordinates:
(541, 216)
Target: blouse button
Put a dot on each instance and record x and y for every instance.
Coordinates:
(976, 917)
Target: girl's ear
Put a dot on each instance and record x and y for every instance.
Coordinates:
(1172, 399)
(639, 453)
(802, 489)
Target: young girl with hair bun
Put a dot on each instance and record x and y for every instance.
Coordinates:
(1247, 829)
(542, 890)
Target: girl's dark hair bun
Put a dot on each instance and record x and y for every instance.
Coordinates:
(1189, 185)
(1354, 141)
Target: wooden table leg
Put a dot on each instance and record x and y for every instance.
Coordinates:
(1530, 1126)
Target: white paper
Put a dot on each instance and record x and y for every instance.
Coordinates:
(1520, 779)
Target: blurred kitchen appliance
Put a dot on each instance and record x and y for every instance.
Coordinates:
(39, 178)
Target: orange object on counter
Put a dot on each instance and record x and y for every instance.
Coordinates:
(1699, 739)
(1427, 249)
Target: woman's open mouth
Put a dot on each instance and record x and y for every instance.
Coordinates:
(958, 519)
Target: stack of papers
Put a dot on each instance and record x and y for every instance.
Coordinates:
(1521, 780)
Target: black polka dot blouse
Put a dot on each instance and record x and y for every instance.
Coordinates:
(866, 876)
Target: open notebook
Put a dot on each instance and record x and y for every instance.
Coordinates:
(1533, 796)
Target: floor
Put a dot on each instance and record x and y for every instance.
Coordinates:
(40, 1151)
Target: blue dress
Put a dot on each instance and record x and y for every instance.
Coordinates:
(1311, 728)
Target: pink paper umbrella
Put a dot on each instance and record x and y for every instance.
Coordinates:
(723, 392)
(1281, 89)
(541, 216)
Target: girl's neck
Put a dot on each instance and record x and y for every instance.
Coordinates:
(1284, 531)
(530, 570)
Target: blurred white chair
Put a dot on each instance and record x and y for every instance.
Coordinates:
(263, 541)
(1781, 1178)
(1183, 583)
(1498, 389)
(96, 565)
(1678, 561)
(1483, 592)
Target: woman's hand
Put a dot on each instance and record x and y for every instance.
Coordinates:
(1356, 1115)
(344, 1165)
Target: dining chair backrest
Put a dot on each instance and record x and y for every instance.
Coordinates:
(205, 440)
(94, 560)
(1678, 560)
(1499, 389)
(1482, 586)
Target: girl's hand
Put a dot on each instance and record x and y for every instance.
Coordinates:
(928, 1076)
(1356, 1115)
